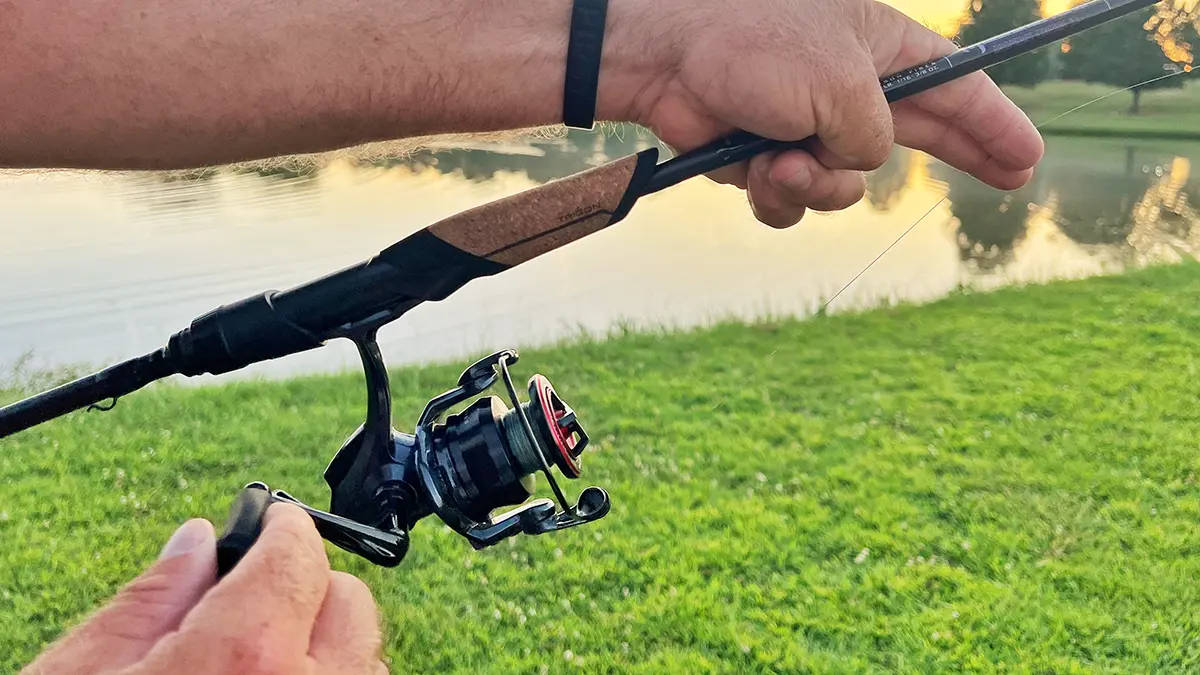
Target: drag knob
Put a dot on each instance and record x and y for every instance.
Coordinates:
(558, 426)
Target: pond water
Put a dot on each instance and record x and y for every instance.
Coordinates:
(99, 267)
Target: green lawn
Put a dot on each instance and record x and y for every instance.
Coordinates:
(1001, 482)
(1165, 113)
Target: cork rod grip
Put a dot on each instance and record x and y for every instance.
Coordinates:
(513, 230)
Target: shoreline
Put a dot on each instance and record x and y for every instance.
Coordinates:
(1167, 114)
(1113, 133)
(18, 381)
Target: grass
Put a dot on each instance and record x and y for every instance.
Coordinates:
(1002, 482)
(1165, 113)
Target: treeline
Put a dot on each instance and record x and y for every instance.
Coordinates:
(1136, 51)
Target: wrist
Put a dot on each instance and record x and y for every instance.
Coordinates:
(469, 67)
(640, 58)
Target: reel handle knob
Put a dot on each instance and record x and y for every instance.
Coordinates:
(593, 504)
(242, 527)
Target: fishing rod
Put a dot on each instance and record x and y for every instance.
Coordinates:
(463, 466)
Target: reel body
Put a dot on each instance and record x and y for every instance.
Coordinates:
(462, 467)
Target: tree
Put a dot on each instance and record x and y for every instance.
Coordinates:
(989, 18)
(1133, 51)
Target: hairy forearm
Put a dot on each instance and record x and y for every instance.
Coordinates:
(170, 84)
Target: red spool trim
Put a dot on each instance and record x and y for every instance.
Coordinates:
(563, 439)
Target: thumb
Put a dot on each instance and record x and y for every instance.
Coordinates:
(145, 610)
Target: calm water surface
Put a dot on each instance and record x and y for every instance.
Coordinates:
(100, 267)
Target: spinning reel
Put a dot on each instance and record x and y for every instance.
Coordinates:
(461, 467)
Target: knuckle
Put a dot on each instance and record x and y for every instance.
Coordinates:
(843, 191)
(878, 132)
(1003, 125)
(971, 93)
(784, 218)
(942, 139)
(262, 652)
(857, 191)
(802, 176)
(354, 588)
(270, 661)
(291, 582)
(294, 539)
(149, 591)
(823, 192)
(282, 514)
(138, 611)
(917, 43)
(864, 120)
(862, 87)
(876, 155)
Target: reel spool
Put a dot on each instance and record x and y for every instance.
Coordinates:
(461, 467)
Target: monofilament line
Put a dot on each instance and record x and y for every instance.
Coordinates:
(1112, 93)
(943, 199)
(884, 252)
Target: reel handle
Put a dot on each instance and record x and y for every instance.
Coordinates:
(243, 526)
(245, 523)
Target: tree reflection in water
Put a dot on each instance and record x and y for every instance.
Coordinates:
(1093, 205)
(541, 160)
(887, 184)
(1141, 213)
(989, 223)
(1120, 203)
(1165, 219)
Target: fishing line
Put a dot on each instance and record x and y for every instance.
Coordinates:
(885, 252)
(947, 196)
(1114, 93)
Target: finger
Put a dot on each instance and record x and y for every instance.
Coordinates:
(274, 594)
(768, 201)
(973, 105)
(151, 606)
(801, 179)
(734, 174)
(854, 124)
(982, 112)
(346, 636)
(693, 128)
(921, 130)
(692, 125)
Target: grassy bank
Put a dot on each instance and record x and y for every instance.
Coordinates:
(1165, 113)
(993, 483)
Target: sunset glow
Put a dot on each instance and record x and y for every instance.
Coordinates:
(944, 15)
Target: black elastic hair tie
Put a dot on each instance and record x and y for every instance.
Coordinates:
(583, 63)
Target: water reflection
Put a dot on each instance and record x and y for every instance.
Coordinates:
(886, 186)
(541, 162)
(989, 224)
(96, 267)
(1165, 220)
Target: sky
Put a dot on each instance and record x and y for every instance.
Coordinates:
(943, 15)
